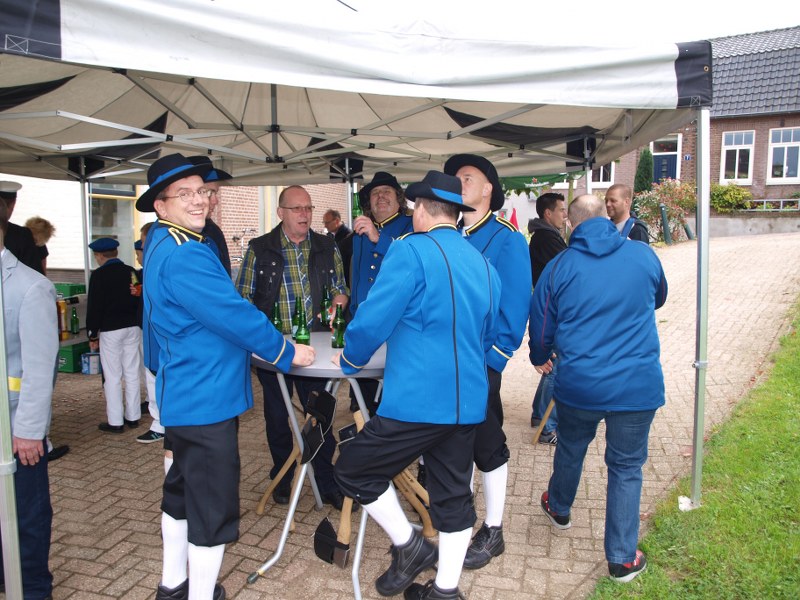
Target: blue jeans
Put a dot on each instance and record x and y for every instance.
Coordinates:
(626, 453)
(542, 397)
(34, 519)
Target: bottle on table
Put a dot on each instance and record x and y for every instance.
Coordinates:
(74, 322)
(298, 305)
(303, 335)
(276, 318)
(325, 307)
(339, 324)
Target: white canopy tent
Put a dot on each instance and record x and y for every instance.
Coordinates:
(95, 89)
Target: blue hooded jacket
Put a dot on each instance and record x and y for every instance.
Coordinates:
(596, 303)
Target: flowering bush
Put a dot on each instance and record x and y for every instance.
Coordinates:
(730, 197)
(680, 198)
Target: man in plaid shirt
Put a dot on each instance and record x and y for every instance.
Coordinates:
(290, 262)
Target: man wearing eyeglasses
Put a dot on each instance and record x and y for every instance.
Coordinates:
(206, 333)
(293, 261)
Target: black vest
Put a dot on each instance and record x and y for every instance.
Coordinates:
(269, 270)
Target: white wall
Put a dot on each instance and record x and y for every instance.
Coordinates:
(60, 203)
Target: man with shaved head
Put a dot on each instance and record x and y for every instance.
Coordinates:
(598, 299)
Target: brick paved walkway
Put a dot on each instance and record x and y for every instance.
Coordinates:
(106, 491)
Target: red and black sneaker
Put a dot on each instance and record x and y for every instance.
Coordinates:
(625, 572)
(558, 521)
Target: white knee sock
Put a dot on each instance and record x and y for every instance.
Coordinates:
(176, 545)
(494, 494)
(204, 565)
(387, 513)
(472, 479)
(167, 463)
(452, 550)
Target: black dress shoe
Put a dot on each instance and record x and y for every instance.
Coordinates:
(335, 498)
(111, 428)
(57, 453)
(132, 424)
(281, 493)
(429, 591)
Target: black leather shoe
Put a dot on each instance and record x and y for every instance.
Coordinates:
(180, 592)
(219, 592)
(57, 453)
(336, 500)
(408, 561)
(282, 493)
(486, 544)
(111, 428)
(429, 591)
(132, 424)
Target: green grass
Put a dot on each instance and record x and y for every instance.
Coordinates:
(744, 541)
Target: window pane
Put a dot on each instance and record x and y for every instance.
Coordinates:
(777, 162)
(744, 164)
(786, 135)
(665, 146)
(728, 139)
(796, 135)
(748, 138)
(776, 136)
(730, 164)
(738, 139)
(791, 160)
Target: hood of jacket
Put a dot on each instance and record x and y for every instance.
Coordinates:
(539, 223)
(597, 236)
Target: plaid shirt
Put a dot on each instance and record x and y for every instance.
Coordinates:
(291, 287)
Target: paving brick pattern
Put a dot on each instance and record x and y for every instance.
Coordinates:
(106, 491)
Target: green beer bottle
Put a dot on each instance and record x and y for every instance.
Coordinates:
(74, 322)
(298, 304)
(276, 318)
(303, 335)
(357, 212)
(337, 339)
(325, 307)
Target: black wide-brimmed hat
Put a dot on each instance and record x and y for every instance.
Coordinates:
(455, 162)
(438, 186)
(380, 178)
(213, 174)
(165, 171)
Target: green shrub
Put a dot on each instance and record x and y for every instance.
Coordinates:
(680, 198)
(644, 172)
(730, 197)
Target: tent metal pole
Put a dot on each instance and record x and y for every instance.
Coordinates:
(86, 224)
(701, 320)
(9, 529)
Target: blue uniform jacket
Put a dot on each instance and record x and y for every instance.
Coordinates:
(596, 303)
(437, 332)
(204, 329)
(368, 257)
(507, 251)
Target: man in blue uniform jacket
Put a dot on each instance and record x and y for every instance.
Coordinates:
(435, 305)
(205, 333)
(596, 303)
(505, 248)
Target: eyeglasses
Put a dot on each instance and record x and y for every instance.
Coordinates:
(186, 196)
(299, 209)
(328, 222)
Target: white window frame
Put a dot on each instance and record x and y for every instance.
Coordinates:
(678, 152)
(737, 147)
(794, 141)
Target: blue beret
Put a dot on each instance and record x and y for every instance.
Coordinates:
(137, 245)
(103, 244)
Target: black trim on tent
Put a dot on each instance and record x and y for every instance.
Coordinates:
(693, 73)
(523, 135)
(20, 94)
(31, 28)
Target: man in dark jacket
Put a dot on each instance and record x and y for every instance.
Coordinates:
(19, 240)
(112, 324)
(598, 300)
(546, 242)
(619, 198)
(288, 262)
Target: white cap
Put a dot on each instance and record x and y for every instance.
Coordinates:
(9, 187)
